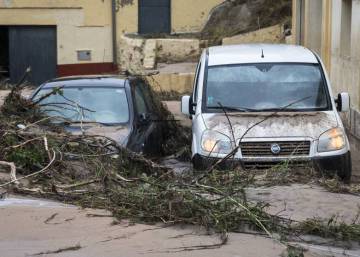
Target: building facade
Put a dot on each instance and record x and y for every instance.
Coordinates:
(332, 29)
(72, 37)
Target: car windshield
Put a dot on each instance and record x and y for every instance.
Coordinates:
(87, 104)
(266, 87)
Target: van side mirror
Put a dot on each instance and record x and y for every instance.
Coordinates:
(343, 102)
(187, 105)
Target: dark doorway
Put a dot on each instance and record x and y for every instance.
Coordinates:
(4, 52)
(34, 47)
(154, 16)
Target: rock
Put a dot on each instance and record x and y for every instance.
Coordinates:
(273, 34)
(240, 16)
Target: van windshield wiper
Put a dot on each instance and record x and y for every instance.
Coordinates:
(277, 109)
(240, 109)
(244, 109)
(232, 109)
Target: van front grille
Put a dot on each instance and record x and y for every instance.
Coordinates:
(287, 148)
(271, 165)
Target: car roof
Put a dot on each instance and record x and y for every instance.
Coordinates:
(252, 53)
(88, 81)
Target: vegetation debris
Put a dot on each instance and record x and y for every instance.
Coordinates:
(95, 172)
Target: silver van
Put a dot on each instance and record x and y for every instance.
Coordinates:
(259, 105)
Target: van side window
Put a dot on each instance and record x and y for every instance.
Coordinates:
(196, 82)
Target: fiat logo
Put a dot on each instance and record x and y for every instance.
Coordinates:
(275, 149)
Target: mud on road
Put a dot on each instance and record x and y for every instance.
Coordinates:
(26, 231)
(32, 227)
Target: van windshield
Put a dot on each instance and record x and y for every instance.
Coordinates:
(266, 87)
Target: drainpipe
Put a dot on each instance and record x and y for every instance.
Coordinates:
(114, 28)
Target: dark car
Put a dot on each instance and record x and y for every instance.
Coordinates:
(121, 108)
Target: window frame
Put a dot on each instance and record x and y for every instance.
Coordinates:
(196, 82)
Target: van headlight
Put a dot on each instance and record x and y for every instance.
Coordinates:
(215, 142)
(331, 140)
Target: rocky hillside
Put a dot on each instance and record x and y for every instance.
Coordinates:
(240, 16)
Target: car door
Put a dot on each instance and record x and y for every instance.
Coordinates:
(147, 136)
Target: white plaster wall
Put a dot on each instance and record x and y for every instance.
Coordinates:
(355, 30)
(336, 25)
(345, 70)
(314, 25)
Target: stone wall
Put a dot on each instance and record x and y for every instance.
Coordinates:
(187, 16)
(139, 54)
(273, 34)
(131, 54)
(178, 77)
(178, 50)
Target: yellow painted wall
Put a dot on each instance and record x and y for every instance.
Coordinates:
(186, 15)
(190, 15)
(96, 12)
(127, 19)
(81, 24)
(86, 24)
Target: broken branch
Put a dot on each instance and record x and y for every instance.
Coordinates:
(33, 174)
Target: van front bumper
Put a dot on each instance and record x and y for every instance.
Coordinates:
(327, 164)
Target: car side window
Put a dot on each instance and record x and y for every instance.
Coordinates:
(139, 98)
(147, 95)
(196, 82)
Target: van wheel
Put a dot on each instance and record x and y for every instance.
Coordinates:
(346, 170)
(199, 163)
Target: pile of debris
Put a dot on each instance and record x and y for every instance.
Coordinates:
(93, 171)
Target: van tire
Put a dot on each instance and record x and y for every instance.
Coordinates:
(346, 170)
(199, 163)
